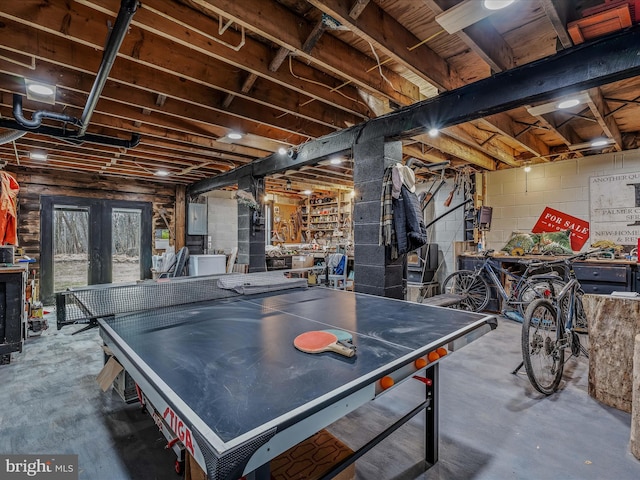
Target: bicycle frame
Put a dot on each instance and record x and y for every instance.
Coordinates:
(491, 268)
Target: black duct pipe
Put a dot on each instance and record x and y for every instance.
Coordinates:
(123, 20)
(448, 212)
(71, 137)
(36, 119)
(120, 28)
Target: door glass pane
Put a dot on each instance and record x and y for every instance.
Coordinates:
(70, 247)
(125, 256)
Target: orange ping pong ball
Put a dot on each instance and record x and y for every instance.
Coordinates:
(441, 351)
(386, 382)
(433, 356)
(420, 363)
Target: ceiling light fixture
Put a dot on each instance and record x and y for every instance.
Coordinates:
(40, 92)
(37, 156)
(336, 161)
(433, 132)
(559, 104)
(40, 89)
(497, 4)
(288, 185)
(571, 102)
(468, 12)
(307, 192)
(282, 150)
(527, 168)
(162, 173)
(598, 142)
(234, 135)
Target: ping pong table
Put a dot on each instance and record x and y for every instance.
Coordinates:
(223, 378)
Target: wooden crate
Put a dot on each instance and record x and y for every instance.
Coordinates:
(600, 24)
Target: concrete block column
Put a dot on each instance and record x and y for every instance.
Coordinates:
(375, 273)
(251, 238)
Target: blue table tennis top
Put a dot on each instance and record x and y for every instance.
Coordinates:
(233, 362)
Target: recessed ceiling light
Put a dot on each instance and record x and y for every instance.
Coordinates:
(234, 136)
(336, 161)
(433, 132)
(37, 156)
(572, 102)
(162, 173)
(497, 4)
(282, 150)
(595, 143)
(39, 89)
(40, 92)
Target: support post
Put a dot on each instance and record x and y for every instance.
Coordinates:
(375, 272)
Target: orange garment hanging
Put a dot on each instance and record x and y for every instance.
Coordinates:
(8, 209)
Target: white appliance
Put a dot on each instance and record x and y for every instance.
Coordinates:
(207, 264)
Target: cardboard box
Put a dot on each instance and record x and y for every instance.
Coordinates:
(302, 261)
(114, 374)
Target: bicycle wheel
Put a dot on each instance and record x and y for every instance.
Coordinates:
(534, 288)
(542, 353)
(471, 286)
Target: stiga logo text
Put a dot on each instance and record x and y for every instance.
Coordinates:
(49, 467)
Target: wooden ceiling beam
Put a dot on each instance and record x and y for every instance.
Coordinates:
(564, 131)
(150, 155)
(172, 111)
(483, 39)
(600, 110)
(386, 34)
(183, 59)
(557, 11)
(265, 98)
(280, 25)
(472, 136)
(609, 59)
(452, 147)
(431, 155)
(504, 124)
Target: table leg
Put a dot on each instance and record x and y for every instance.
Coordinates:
(431, 414)
(261, 473)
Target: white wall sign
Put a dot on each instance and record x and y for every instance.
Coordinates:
(615, 208)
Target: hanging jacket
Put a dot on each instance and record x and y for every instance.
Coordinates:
(411, 232)
(8, 209)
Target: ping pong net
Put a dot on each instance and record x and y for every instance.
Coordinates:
(88, 304)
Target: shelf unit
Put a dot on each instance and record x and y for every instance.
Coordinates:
(325, 218)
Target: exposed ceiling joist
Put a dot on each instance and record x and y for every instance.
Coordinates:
(583, 67)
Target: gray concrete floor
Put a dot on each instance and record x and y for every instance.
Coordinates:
(493, 425)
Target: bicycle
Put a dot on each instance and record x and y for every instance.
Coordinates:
(474, 289)
(551, 326)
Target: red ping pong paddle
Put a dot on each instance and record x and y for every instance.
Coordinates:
(317, 341)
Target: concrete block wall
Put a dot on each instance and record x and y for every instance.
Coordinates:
(518, 198)
(222, 220)
(448, 229)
